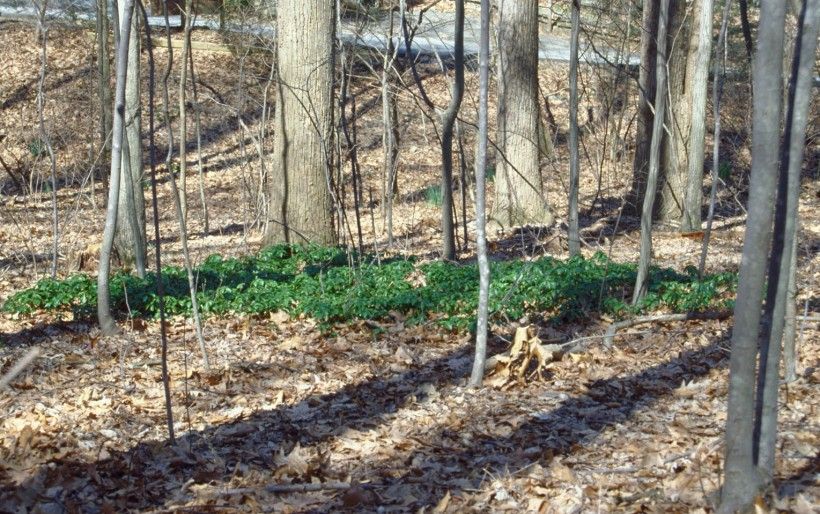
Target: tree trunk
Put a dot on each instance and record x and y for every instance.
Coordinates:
(448, 120)
(107, 325)
(642, 279)
(673, 174)
(477, 375)
(786, 214)
(741, 479)
(300, 203)
(700, 45)
(574, 172)
(519, 192)
(129, 237)
(646, 95)
(103, 74)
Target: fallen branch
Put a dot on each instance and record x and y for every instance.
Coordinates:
(292, 488)
(19, 366)
(663, 318)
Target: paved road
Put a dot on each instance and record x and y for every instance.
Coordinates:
(433, 39)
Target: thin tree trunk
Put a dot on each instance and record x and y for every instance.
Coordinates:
(107, 325)
(183, 231)
(103, 74)
(701, 48)
(746, 28)
(183, 111)
(790, 330)
(160, 288)
(719, 71)
(741, 479)
(642, 280)
(448, 119)
(786, 214)
(574, 171)
(477, 375)
(199, 166)
(390, 132)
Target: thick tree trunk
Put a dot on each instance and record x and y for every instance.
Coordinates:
(519, 192)
(700, 46)
(300, 208)
(129, 238)
(672, 181)
(741, 479)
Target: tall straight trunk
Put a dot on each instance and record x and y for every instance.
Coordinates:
(790, 329)
(103, 73)
(673, 174)
(390, 132)
(183, 111)
(300, 200)
(477, 375)
(741, 479)
(646, 96)
(719, 70)
(519, 190)
(785, 225)
(642, 279)
(107, 325)
(448, 120)
(130, 234)
(700, 47)
(574, 172)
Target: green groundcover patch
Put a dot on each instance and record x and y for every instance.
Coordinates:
(331, 285)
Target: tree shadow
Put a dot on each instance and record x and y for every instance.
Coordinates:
(151, 473)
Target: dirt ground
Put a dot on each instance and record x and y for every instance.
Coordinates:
(380, 405)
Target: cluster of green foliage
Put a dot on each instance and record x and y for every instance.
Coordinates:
(331, 285)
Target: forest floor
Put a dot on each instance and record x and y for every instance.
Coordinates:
(378, 404)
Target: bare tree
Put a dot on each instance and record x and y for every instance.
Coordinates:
(519, 192)
(741, 476)
(448, 119)
(477, 375)
(642, 279)
(103, 72)
(107, 325)
(574, 171)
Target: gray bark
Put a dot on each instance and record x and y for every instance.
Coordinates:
(448, 120)
(700, 46)
(477, 374)
(107, 325)
(719, 69)
(574, 171)
(519, 191)
(103, 73)
(786, 214)
(741, 479)
(129, 237)
(654, 157)
(790, 329)
(300, 200)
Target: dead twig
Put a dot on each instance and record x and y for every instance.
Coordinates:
(291, 488)
(662, 318)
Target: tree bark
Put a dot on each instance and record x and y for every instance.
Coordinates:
(574, 172)
(519, 192)
(129, 238)
(448, 120)
(477, 375)
(642, 279)
(103, 73)
(107, 325)
(741, 479)
(700, 46)
(300, 208)
(785, 224)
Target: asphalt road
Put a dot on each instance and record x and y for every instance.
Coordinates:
(433, 38)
